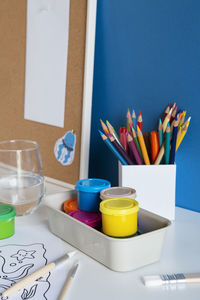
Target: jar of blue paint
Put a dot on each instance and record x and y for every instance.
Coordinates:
(89, 193)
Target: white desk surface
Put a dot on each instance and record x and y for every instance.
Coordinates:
(181, 253)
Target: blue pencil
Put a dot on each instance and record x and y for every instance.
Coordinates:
(113, 149)
(173, 143)
(134, 119)
(167, 144)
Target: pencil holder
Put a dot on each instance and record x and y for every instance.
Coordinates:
(155, 186)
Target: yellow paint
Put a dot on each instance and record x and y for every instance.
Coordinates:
(119, 216)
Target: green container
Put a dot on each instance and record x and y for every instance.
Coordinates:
(7, 220)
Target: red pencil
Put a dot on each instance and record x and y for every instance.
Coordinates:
(173, 114)
(123, 138)
(139, 121)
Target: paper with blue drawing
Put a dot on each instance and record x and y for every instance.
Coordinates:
(20, 258)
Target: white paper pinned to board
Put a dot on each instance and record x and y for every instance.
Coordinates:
(46, 61)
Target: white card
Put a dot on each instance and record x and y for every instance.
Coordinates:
(46, 61)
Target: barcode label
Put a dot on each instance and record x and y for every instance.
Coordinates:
(167, 277)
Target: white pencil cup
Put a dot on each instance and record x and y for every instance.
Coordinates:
(155, 186)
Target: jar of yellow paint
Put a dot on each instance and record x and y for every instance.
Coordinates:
(119, 216)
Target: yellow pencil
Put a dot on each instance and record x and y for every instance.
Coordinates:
(143, 146)
(182, 133)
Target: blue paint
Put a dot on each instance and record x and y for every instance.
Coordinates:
(147, 55)
(89, 193)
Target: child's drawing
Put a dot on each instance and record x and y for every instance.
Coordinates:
(65, 148)
(18, 261)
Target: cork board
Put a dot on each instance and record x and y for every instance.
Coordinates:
(12, 82)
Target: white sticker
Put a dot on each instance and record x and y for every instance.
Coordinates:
(65, 148)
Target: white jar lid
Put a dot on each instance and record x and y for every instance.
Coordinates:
(118, 192)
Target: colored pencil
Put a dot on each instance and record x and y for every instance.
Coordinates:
(112, 131)
(184, 129)
(147, 141)
(121, 151)
(166, 112)
(123, 138)
(160, 155)
(105, 128)
(167, 144)
(129, 121)
(154, 145)
(173, 143)
(173, 106)
(133, 148)
(137, 143)
(173, 114)
(166, 120)
(134, 119)
(182, 119)
(113, 149)
(143, 146)
(160, 133)
(139, 121)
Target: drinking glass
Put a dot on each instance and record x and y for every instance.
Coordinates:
(21, 176)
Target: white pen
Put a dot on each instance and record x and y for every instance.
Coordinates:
(176, 278)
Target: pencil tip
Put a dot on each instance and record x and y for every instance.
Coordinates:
(101, 133)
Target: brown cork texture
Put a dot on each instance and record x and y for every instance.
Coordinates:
(12, 82)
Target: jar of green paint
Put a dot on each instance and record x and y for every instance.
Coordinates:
(7, 220)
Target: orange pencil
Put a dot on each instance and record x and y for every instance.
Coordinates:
(139, 121)
(105, 128)
(182, 119)
(143, 146)
(154, 145)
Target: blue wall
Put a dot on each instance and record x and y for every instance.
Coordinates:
(147, 55)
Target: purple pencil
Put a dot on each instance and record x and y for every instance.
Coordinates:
(121, 150)
(133, 148)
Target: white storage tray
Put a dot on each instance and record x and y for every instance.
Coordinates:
(118, 254)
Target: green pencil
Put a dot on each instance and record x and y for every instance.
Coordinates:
(137, 144)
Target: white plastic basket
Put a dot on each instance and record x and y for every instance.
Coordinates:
(118, 254)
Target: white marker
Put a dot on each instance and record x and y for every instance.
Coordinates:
(156, 280)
